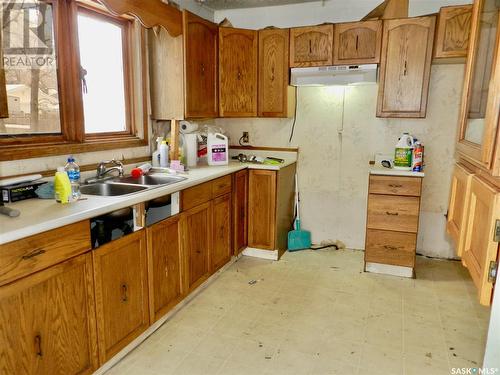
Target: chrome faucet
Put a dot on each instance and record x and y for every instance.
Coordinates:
(102, 170)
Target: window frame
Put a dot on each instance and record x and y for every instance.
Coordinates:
(73, 138)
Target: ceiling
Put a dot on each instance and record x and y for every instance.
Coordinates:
(235, 4)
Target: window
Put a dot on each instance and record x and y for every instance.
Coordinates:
(71, 78)
(30, 69)
(102, 62)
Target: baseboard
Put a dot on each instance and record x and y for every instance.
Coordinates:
(388, 269)
(260, 253)
(121, 354)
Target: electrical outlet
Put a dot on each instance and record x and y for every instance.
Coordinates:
(245, 138)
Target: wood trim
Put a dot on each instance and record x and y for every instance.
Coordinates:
(150, 13)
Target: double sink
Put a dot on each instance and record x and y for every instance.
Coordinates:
(128, 185)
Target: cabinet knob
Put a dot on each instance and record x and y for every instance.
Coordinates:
(33, 254)
(388, 247)
(357, 42)
(395, 186)
(124, 288)
(405, 71)
(38, 345)
(239, 75)
(391, 213)
(202, 69)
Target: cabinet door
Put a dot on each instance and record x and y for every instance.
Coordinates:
(357, 43)
(164, 265)
(457, 211)
(405, 67)
(273, 72)
(221, 245)
(47, 321)
(4, 108)
(200, 66)
(311, 46)
(197, 235)
(453, 31)
(262, 209)
(121, 293)
(237, 72)
(240, 211)
(480, 249)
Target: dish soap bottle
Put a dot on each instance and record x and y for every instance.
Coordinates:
(62, 186)
(155, 159)
(164, 154)
(403, 153)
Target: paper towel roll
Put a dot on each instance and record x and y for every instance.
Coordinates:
(187, 127)
(191, 147)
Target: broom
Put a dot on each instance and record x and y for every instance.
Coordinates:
(298, 239)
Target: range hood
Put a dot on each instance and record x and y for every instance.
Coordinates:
(334, 75)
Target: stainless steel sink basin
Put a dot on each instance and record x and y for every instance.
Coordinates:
(149, 180)
(110, 190)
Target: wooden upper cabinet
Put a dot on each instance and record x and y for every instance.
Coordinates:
(458, 208)
(200, 67)
(311, 46)
(221, 246)
(121, 292)
(357, 43)
(237, 72)
(453, 31)
(405, 67)
(262, 209)
(480, 249)
(273, 72)
(164, 267)
(48, 321)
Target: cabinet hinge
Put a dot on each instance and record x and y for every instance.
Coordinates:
(492, 272)
(496, 237)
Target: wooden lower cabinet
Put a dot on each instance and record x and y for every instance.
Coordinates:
(164, 267)
(240, 211)
(51, 321)
(121, 292)
(221, 239)
(480, 249)
(459, 202)
(197, 233)
(388, 247)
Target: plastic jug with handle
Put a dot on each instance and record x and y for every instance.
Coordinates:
(217, 149)
(403, 153)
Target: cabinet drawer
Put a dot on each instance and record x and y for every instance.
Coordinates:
(196, 195)
(32, 254)
(387, 247)
(410, 186)
(392, 212)
(221, 186)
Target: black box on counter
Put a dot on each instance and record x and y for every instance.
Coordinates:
(20, 192)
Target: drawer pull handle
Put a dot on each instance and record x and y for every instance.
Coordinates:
(38, 345)
(395, 186)
(33, 254)
(392, 213)
(124, 292)
(388, 247)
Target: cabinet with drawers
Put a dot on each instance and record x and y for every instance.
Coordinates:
(392, 224)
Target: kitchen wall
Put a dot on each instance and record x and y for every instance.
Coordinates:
(337, 133)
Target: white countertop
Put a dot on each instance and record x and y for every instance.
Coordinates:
(40, 215)
(379, 170)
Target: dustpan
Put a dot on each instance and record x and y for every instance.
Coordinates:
(298, 239)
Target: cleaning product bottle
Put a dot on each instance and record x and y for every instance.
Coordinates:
(403, 153)
(418, 157)
(164, 154)
(217, 148)
(73, 171)
(155, 159)
(62, 186)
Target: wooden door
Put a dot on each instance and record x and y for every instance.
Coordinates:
(4, 108)
(47, 321)
(221, 244)
(121, 292)
(237, 72)
(457, 211)
(405, 67)
(164, 267)
(273, 72)
(262, 209)
(200, 67)
(480, 248)
(240, 211)
(197, 236)
(357, 43)
(453, 31)
(311, 46)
